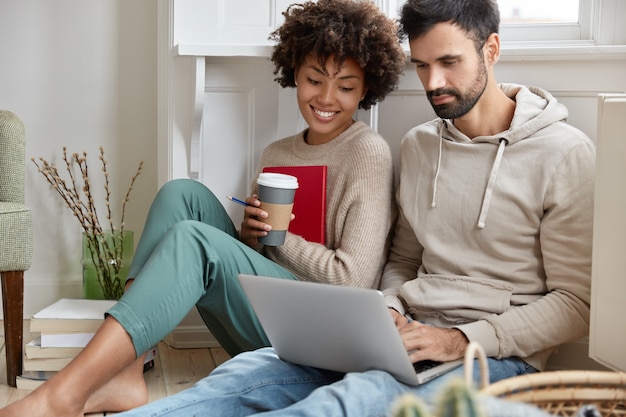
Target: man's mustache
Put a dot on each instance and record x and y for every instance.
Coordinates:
(442, 92)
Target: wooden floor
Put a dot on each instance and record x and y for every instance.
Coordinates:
(174, 371)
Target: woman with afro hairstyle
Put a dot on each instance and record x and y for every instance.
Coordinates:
(340, 55)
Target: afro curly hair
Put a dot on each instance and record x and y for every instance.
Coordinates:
(341, 29)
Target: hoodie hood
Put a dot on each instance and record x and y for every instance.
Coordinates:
(535, 109)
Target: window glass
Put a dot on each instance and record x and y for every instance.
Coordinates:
(517, 11)
(541, 21)
(545, 20)
(538, 11)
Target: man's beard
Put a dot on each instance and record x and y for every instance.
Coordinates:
(464, 102)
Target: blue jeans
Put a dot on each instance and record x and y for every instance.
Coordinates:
(259, 382)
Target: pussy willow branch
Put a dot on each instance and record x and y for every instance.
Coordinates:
(106, 189)
(51, 174)
(92, 212)
(79, 197)
(68, 167)
(80, 200)
(127, 197)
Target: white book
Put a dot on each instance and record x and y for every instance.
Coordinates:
(34, 350)
(45, 364)
(30, 380)
(66, 340)
(71, 315)
(76, 308)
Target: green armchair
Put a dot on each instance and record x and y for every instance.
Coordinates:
(16, 238)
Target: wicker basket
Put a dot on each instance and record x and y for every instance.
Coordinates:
(561, 393)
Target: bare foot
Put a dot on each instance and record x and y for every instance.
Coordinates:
(44, 401)
(73, 390)
(124, 391)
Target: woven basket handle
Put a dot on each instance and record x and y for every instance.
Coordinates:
(475, 350)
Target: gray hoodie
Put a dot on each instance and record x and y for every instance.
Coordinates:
(494, 234)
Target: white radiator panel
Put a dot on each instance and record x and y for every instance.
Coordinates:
(608, 288)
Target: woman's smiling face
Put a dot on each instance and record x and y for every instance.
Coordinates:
(328, 97)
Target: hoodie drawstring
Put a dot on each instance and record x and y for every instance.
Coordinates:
(433, 204)
(491, 184)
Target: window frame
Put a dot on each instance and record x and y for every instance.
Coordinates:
(595, 27)
(581, 31)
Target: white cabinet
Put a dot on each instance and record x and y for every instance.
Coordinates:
(608, 288)
(205, 22)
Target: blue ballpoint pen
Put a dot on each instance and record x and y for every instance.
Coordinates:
(236, 200)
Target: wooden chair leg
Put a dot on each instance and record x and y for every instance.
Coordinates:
(13, 309)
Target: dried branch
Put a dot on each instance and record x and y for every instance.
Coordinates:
(106, 253)
(127, 197)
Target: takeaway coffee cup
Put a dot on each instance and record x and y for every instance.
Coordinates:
(276, 193)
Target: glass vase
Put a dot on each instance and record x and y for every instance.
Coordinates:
(106, 260)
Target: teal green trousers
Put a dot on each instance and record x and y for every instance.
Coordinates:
(190, 254)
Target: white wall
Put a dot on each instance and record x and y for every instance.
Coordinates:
(81, 74)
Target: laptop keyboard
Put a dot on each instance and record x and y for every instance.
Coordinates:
(425, 365)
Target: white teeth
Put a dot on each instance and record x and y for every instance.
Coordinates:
(325, 113)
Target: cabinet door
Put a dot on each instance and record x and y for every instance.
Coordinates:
(608, 287)
(240, 22)
(240, 119)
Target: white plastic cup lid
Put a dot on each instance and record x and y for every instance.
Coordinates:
(276, 180)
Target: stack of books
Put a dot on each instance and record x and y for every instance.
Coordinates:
(62, 330)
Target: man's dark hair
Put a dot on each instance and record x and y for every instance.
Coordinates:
(342, 29)
(478, 18)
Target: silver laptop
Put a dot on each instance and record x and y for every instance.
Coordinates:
(334, 327)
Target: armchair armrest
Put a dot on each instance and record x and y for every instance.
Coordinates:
(12, 158)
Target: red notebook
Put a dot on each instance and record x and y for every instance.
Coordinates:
(309, 204)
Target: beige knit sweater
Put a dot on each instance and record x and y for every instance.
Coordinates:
(359, 207)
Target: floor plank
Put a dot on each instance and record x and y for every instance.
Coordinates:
(174, 370)
(183, 367)
(219, 356)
